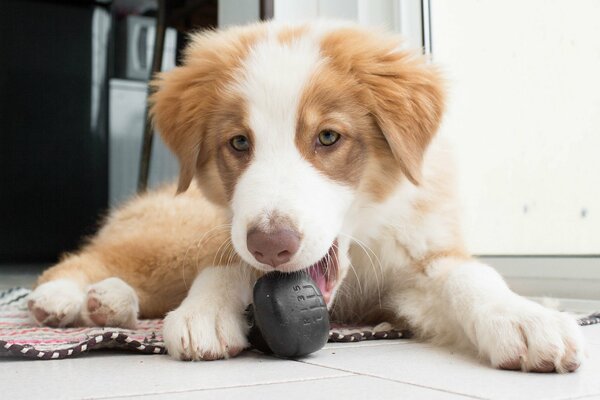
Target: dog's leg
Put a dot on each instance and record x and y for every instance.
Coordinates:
(110, 302)
(56, 303)
(80, 291)
(59, 294)
(467, 302)
(210, 323)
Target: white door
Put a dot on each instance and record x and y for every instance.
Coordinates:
(524, 110)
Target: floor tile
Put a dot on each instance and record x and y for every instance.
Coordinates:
(592, 333)
(371, 369)
(444, 369)
(118, 374)
(352, 387)
(591, 397)
(368, 343)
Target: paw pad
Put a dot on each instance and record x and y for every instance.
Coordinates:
(95, 311)
(111, 302)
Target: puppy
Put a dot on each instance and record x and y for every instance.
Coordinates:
(310, 147)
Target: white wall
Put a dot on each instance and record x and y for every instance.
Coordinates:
(524, 111)
(399, 15)
(237, 12)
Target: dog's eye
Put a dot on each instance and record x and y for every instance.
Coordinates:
(327, 138)
(240, 143)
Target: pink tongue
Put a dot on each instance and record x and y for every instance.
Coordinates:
(317, 275)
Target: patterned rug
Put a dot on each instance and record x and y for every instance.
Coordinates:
(21, 337)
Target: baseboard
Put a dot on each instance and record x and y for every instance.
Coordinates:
(560, 277)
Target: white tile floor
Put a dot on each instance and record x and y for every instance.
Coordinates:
(371, 370)
(401, 369)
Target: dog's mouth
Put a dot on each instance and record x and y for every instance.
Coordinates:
(325, 272)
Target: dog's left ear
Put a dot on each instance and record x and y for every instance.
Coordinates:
(404, 93)
(408, 106)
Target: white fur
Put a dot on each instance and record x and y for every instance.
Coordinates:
(451, 301)
(278, 180)
(61, 299)
(468, 304)
(393, 255)
(66, 302)
(119, 304)
(210, 323)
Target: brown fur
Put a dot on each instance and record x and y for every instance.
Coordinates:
(217, 159)
(155, 243)
(403, 94)
(387, 104)
(288, 34)
(389, 110)
(322, 108)
(188, 97)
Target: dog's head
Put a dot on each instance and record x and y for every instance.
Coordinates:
(294, 127)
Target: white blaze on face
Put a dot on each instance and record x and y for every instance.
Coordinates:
(279, 180)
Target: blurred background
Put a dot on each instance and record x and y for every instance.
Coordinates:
(523, 112)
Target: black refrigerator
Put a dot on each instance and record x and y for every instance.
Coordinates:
(53, 126)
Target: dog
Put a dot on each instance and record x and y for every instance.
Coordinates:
(301, 147)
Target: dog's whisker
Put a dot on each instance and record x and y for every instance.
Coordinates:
(224, 243)
(222, 251)
(374, 268)
(232, 254)
(196, 244)
(211, 233)
(366, 249)
(360, 288)
(364, 245)
(227, 254)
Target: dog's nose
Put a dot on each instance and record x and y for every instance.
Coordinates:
(274, 248)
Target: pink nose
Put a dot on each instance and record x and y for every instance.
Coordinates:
(274, 248)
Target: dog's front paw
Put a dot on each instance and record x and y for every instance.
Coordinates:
(204, 332)
(56, 303)
(526, 336)
(111, 302)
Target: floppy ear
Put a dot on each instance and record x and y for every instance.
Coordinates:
(407, 105)
(185, 96)
(404, 93)
(176, 110)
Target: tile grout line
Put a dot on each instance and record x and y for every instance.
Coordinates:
(395, 381)
(221, 387)
(354, 345)
(585, 396)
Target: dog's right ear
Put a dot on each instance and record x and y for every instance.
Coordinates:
(176, 109)
(184, 96)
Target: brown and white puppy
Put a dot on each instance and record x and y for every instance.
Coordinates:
(313, 147)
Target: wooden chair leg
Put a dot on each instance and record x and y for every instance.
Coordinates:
(157, 58)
